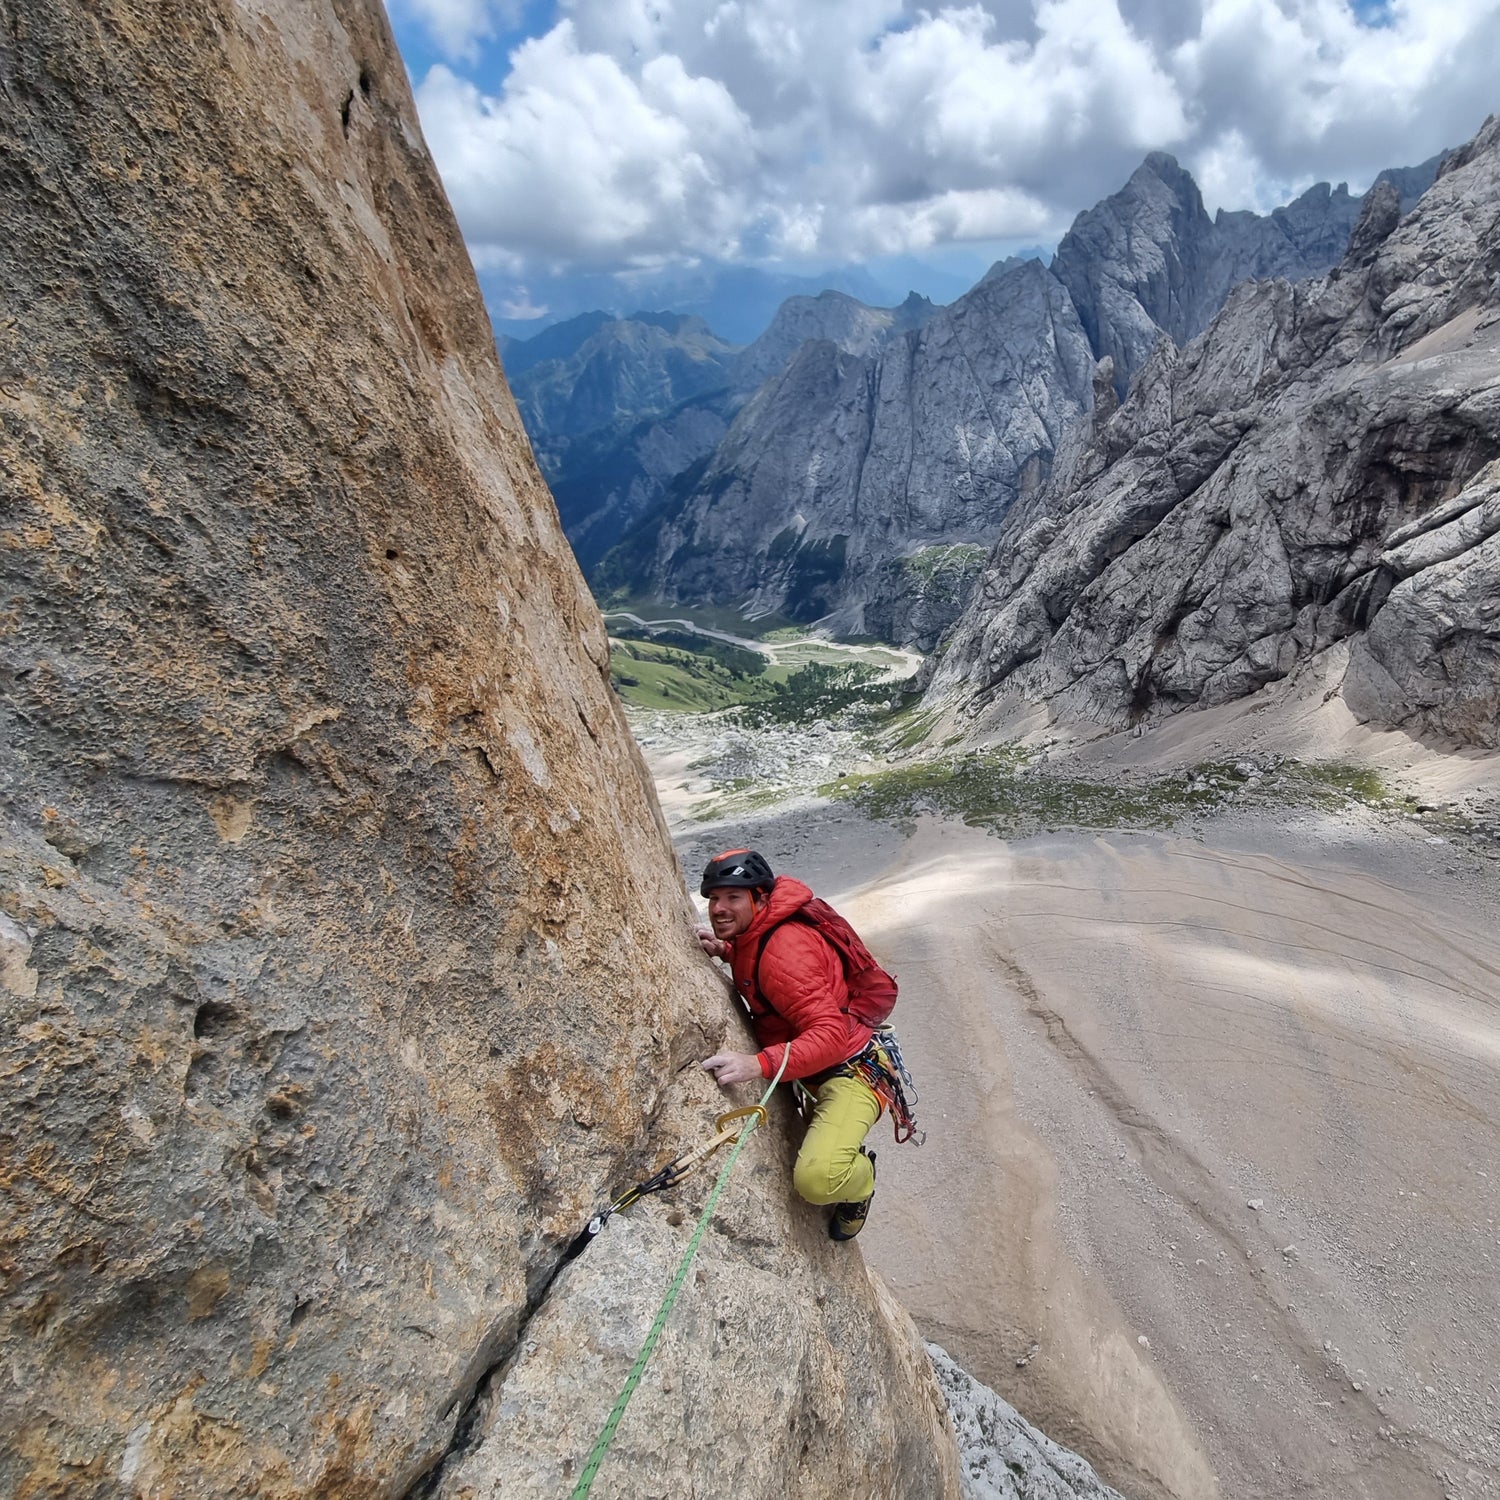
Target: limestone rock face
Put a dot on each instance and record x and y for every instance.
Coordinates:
(833, 316)
(344, 964)
(1313, 460)
(1001, 1455)
(846, 464)
(854, 1412)
(1149, 260)
(1430, 660)
(916, 596)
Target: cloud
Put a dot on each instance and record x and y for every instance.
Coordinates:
(584, 161)
(637, 132)
(1286, 95)
(458, 27)
(520, 308)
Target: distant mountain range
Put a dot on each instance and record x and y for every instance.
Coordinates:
(853, 463)
(619, 409)
(737, 302)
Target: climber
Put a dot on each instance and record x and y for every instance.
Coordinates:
(792, 981)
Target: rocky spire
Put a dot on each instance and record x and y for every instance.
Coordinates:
(1315, 472)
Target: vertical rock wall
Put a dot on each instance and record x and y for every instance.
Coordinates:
(343, 959)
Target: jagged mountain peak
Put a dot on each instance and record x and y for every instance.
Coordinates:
(1319, 470)
(1005, 267)
(1165, 168)
(1149, 259)
(674, 322)
(851, 325)
(876, 487)
(1486, 139)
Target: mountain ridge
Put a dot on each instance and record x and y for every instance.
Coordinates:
(1316, 470)
(1144, 264)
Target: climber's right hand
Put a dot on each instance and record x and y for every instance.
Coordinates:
(713, 946)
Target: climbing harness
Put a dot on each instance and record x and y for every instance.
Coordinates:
(882, 1069)
(751, 1116)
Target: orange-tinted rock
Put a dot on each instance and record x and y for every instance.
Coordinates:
(344, 962)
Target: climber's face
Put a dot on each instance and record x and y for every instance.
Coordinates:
(731, 909)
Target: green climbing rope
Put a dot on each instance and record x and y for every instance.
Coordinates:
(632, 1380)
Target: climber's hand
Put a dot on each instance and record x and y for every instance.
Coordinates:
(730, 1068)
(711, 945)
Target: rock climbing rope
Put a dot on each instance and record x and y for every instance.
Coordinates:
(670, 1175)
(750, 1117)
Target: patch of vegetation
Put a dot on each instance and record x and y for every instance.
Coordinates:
(1005, 790)
(996, 789)
(908, 724)
(676, 670)
(736, 660)
(1340, 779)
(820, 692)
(648, 674)
(794, 657)
(957, 558)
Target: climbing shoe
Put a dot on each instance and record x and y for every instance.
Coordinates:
(849, 1218)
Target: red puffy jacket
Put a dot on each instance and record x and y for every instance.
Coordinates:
(802, 993)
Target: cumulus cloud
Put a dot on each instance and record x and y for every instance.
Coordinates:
(583, 159)
(1285, 94)
(458, 27)
(636, 132)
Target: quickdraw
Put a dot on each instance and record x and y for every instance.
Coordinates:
(727, 1129)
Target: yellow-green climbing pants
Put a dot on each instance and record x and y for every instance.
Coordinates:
(830, 1166)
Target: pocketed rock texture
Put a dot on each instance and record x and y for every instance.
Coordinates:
(344, 963)
(1311, 470)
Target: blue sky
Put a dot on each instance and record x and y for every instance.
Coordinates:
(485, 56)
(608, 135)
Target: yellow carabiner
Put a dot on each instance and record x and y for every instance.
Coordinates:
(758, 1110)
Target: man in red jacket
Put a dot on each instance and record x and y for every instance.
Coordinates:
(795, 991)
